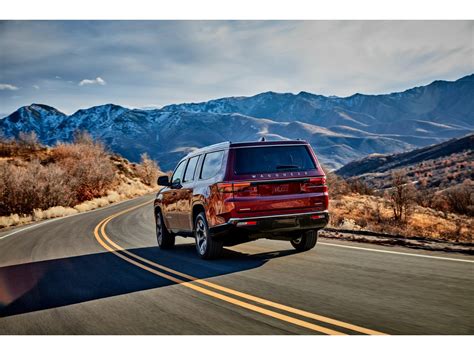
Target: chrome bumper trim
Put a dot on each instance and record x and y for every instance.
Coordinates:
(234, 220)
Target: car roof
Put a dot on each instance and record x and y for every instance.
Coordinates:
(227, 145)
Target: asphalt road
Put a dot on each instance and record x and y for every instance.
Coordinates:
(101, 273)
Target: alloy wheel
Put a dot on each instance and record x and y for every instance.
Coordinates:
(159, 229)
(201, 237)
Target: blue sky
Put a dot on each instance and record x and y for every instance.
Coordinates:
(78, 64)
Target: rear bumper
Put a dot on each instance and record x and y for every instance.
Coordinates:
(273, 224)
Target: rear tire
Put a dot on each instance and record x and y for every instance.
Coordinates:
(306, 241)
(207, 247)
(164, 238)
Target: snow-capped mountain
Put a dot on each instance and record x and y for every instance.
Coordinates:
(340, 129)
(441, 106)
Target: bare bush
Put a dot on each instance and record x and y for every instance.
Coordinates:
(401, 196)
(28, 140)
(7, 146)
(83, 137)
(337, 186)
(148, 170)
(359, 187)
(75, 172)
(90, 169)
(25, 144)
(460, 198)
(33, 186)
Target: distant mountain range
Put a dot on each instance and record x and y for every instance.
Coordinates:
(379, 163)
(439, 165)
(340, 129)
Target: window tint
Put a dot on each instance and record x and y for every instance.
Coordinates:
(212, 164)
(178, 173)
(272, 160)
(189, 174)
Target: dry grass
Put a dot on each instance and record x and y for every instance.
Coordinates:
(357, 212)
(122, 192)
(40, 182)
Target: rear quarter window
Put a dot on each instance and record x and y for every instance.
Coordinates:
(275, 159)
(212, 164)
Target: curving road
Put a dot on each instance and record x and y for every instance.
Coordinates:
(101, 273)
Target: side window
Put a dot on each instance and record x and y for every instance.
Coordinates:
(212, 164)
(189, 174)
(178, 173)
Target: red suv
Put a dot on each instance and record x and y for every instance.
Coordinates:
(232, 193)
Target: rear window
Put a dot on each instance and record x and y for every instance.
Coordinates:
(272, 160)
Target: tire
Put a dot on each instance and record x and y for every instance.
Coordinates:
(164, 238)
(306, 241)
(206, 247)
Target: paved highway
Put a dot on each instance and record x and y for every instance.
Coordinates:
(101, 273)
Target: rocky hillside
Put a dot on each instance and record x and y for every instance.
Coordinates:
(436, 166)
(340, 129)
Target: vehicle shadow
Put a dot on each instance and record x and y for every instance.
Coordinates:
(54, 283)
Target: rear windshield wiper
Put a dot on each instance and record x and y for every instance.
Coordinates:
(284, 167)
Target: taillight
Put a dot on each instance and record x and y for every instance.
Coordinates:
(314, 184)
(224, 187)
(238, 188)
(317, 181)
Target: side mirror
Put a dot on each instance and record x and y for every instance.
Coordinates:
(164, 180)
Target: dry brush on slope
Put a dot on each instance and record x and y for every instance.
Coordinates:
(402, 209)
(41, 182)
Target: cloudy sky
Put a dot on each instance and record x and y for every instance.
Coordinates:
(78, 64)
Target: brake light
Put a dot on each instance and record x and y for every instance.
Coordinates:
(315, 184)
(318, 181)
(238, 188)
(241, 186)
(224, 187)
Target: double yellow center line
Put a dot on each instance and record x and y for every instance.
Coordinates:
(210, 288)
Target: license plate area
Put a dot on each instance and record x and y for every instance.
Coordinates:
(277, 189)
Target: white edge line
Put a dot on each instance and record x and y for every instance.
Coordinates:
(397, 252)
(54, 219)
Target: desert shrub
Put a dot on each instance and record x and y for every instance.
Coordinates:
(26, 143)
(28, 140)
(374, 211)
(148, 170)
(337, 186)
(7, 146)
(74, 173)
(358, 186)
(460, 198)
(424, 196)
(32, 186)
(90, 169)
(82, 137)
(401, 196)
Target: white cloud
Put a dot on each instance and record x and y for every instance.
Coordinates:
(8, 87)
(36, 87)
(164, 62)
(96, 81)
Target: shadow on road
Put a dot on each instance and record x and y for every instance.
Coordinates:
(54, 283)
